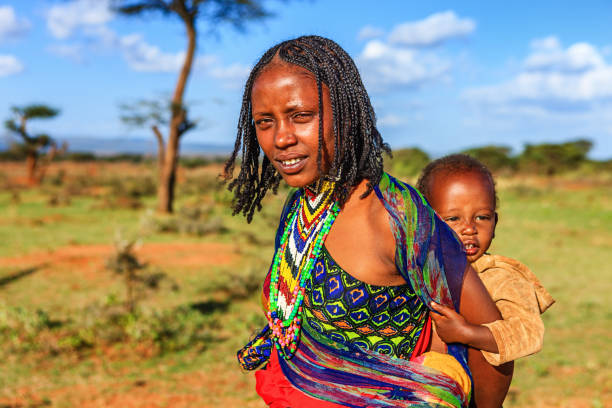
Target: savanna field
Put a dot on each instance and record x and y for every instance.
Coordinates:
(103, 303)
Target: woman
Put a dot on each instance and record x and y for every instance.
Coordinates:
(359, 255)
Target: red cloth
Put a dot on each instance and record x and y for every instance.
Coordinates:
(423, 342)
(276, 391)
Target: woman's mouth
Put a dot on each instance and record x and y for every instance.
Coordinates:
(292, 165)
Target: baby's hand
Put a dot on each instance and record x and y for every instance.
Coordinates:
(450, 325)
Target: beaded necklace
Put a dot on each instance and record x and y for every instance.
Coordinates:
(299, 249)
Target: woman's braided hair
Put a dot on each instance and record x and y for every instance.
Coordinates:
(358, 146)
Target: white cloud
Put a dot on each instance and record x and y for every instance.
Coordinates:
(368, 32)
(400, 59)
(432, 30)
(64, 19)
(10, 24)
(90, 18)
(548, 55)
(233, 76)
(144, 57)
(73, 52)
(391, 120)
(9, 65)
(101, 35)
(554, 80)
(385, 65)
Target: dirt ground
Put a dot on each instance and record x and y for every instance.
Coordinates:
(92, 257)
(193, 389)
(184, 391)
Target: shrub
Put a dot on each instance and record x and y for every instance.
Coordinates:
(137, 276)
(552, 159)
(200, 184)
(496, 158)
(198, 220)
(104, 324)
(407, 162)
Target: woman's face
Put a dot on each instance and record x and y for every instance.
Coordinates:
(285, 105)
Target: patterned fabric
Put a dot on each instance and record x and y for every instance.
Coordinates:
(432, 261)
(345, 374)
(257, 351)
(384, 319)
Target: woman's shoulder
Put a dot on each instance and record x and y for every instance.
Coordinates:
(399, 195)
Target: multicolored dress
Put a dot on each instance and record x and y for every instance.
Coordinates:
(363, 345)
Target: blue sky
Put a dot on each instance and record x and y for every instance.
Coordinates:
(442, 75)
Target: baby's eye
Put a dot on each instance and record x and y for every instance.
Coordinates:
(451, 219)
(483, 217)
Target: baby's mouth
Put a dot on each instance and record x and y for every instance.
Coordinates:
(471, 248)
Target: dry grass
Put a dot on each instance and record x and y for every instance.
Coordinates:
(52, 258)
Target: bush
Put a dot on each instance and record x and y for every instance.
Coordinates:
(200, 184)
(496, 158)
(19, 327)
(133, 187)
(78, 157)
(106, 324)
(407, 162)
(198, 220)
(12, 155)
(551, 159)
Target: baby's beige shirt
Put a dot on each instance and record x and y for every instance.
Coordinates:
(520, 298)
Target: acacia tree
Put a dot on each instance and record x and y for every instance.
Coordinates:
(215, 12)
(154, 114)
(32, 145)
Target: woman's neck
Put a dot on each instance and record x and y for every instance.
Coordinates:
(354, 198)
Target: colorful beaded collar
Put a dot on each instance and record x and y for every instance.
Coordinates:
(299, 249)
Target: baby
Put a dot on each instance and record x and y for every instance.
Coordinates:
(462, 191)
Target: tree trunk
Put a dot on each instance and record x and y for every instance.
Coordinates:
(161, 151)
(31, 161)
(46, 162)
(165, 189)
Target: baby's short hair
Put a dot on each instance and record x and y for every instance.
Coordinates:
(453, 164)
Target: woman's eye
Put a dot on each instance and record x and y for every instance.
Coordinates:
(302, 116)
(263, 122)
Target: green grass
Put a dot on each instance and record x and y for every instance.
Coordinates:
(564, 236)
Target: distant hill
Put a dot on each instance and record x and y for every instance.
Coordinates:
(133, 145)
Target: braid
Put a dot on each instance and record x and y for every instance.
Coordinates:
(358, 146)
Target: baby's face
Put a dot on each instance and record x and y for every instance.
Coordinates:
(466, 201)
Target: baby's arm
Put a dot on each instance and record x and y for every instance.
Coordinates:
(453, 328)
(521, 332)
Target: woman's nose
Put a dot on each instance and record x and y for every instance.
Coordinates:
(285, 135)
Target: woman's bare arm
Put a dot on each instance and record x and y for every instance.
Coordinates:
(490, 383)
